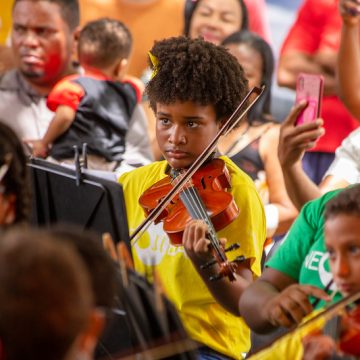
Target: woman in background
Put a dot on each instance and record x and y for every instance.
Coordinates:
(253, 145)
(214, 20)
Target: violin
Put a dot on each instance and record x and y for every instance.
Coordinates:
(204, 197)
(194, 188)
(207, 189)
(344, 328)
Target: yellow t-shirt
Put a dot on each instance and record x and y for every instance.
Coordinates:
(5, 20)
(147, 21)
(290, 346)
(204, 319)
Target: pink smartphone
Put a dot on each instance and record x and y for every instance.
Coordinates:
(309, 87)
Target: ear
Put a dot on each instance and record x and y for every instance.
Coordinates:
(89, 338)
(75, 34)
(120, 69)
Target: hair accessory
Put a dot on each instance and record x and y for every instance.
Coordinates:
(155, 64)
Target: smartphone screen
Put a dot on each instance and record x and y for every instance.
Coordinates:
(309, 87)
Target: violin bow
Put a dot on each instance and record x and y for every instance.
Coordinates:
(5, 166)
(233, 120)
(327, 314)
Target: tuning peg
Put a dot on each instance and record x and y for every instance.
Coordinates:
(232, 247)
(208, 264)
(239, 259)
(216, 277)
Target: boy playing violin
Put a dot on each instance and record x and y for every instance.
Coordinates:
(342, 241)
(195, 87)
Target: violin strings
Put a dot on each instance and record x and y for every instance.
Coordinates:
(194, 201)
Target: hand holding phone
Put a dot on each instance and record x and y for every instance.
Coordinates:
(309, 87)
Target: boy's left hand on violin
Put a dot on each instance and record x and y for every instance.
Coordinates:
(196, 244)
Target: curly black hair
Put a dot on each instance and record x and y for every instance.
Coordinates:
(347, 202)
(197, 71)
(104, 41)
(16, 181)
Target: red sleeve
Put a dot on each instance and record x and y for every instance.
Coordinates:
(65, 92)
(136, 88)
(305, 34)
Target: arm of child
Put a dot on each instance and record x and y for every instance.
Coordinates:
(198, 248)
(64, 117)
(275, 300)
(294, 140)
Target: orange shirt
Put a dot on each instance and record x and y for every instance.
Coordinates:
(148, 21)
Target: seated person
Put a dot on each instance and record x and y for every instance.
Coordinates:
(301, 258)
(46, 302)
(95, 108)
(195, 88)
(253, 145)
(14, 179)
(40, 59)
(342, 242)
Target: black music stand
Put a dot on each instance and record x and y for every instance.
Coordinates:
(67, 195)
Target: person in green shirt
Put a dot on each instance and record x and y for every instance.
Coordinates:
(342, 246)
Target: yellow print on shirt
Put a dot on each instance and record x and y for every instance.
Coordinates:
(154, 245)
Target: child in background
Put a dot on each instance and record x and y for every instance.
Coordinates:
(195, 87)
(96, 108)
(342, 241)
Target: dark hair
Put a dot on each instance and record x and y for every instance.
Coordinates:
(197, 71)
(69, 9)
(45, 296)
(101, 268)
(104, 41)
(347, 202)
(191, 5)
(16, 180)
(263, 107)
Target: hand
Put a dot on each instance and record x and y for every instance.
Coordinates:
(294, 139)
(196, 244)
(38, 148)
(350, 11)
(290, 306)
(318, 347)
